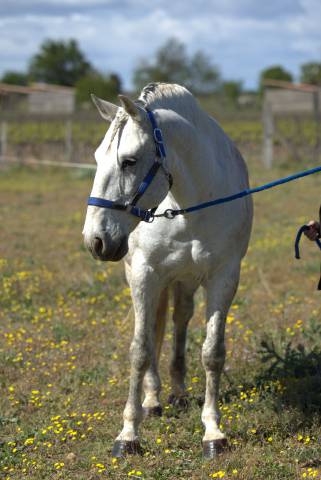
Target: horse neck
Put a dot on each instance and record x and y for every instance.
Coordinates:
(197, 176)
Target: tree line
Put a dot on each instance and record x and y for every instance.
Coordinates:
(63, 63)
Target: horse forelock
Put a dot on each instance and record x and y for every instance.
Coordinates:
(119, 122)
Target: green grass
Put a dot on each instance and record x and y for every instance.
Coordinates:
(65, 334)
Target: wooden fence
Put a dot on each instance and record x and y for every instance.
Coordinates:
(284, 99)
(70, 140)
(77, 136)
(61, 150)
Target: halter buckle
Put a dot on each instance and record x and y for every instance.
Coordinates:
(148, 216)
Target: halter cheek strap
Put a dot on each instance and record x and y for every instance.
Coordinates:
(130, 207)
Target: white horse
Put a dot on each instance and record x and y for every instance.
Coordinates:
(203, 248)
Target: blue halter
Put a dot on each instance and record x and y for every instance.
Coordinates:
(130, 207)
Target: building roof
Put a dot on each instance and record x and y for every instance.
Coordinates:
(6, 88)
(303, 87)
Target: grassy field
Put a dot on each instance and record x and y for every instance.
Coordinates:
(65, 334)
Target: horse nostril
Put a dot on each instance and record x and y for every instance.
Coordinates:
(98, 245)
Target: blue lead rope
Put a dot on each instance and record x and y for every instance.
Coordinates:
(172, 213)
(304, 228)
(169, 213)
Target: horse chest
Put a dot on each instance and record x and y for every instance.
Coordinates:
(200, 254)
(173, 254)
(180, 259)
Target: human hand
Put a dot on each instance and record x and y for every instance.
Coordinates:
(314, 230)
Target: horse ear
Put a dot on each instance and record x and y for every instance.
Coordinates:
(106, 109)
(131, 108)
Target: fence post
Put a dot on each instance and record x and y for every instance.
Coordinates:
(3, 140)
(68, 140)
(317, 118)
(268, 132)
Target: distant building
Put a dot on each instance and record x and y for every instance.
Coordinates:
(247, 99)
(37, 98)
(287, 98)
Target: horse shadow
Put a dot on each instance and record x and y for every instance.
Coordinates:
(297, 370)
(292, 372)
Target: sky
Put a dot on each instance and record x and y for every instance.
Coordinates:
(241, 37)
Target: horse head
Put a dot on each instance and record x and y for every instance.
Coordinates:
(124, 158)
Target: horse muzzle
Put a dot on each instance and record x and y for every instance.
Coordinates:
(103, 248)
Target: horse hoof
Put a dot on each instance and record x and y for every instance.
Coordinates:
(181, 403)
(212, 448)
(122, 448)
(153, 411)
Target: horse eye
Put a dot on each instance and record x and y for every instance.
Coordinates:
(129, 162)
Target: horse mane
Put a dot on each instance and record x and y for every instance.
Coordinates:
(170, 96)
(163, 95)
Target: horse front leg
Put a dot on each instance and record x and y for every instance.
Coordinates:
(152, 383)
(145, 293)
(220, 292)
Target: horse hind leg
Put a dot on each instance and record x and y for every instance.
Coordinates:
(183, 312)
(152, 383)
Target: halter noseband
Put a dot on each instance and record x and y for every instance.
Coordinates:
(130, 207)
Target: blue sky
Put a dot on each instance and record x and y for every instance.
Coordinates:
(240, 36)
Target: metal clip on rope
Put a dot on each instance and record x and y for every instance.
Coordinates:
(303, 229)
(170, 214)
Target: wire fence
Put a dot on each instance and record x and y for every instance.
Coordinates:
(64, 140)
(71, 140)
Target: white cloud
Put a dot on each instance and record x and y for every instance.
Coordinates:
(241, 36)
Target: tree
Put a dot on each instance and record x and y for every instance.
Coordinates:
(203, 76)
(173, 65)
(59, 62)
(311, 73)
(106, 87)
(15, 78)
(275, 72)
(232, 90)
(170, 65)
